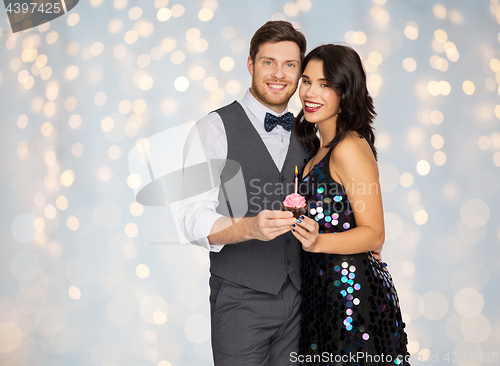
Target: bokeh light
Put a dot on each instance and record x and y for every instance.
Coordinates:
(86, 272)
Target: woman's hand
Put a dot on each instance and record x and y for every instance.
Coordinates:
(307, 231)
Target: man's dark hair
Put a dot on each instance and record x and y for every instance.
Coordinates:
(277, 31)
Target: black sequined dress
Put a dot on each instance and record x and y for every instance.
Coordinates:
(349, 303)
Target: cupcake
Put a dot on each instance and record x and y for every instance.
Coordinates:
(296, 203)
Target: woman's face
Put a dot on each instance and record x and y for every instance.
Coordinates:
(319, 101)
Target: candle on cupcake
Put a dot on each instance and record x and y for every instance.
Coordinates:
(295, 202)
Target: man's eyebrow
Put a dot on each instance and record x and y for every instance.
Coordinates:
(273, 59)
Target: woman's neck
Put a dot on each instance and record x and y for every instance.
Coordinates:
(327, 130)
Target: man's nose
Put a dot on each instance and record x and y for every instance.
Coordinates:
(278, 72)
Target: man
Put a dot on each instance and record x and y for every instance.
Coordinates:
(255, 260)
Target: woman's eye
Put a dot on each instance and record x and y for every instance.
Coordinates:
(324, 85)
(305, 81)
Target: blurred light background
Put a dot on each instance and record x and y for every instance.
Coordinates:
(80, 282)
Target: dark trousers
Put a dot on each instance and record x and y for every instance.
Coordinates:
(252, 328)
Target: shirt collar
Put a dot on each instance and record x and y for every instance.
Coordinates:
(257, 108)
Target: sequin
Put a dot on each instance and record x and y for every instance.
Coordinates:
(345, 296)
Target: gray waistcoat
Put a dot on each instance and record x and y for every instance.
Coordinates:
(259, 265)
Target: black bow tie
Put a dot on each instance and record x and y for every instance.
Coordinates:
(286, 121)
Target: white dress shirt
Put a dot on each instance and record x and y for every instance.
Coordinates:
(197, 218)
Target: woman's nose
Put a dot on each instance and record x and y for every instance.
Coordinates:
(310, 91)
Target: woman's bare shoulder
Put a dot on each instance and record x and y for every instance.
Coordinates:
(353, 147)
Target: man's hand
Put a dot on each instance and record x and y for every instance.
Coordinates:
(377, 254)
(268, 225)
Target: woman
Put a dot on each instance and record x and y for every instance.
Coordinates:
(350, 310)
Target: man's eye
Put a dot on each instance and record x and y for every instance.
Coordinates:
(290, 65)
(267, 62)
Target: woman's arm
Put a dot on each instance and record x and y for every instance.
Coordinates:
(352, 162)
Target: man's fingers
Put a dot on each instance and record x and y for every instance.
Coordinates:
(273, 234)
(274, 214)
(377, 255)
(275, 224)
(280, 231)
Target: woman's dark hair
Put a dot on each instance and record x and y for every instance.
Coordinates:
(344, 73)
(277, 31)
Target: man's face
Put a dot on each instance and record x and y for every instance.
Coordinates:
(275, 74)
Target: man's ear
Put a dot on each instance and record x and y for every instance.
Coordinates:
(250, 65)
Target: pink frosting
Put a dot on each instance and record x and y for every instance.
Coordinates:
(295, 200)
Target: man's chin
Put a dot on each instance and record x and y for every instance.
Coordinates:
(273, 99)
